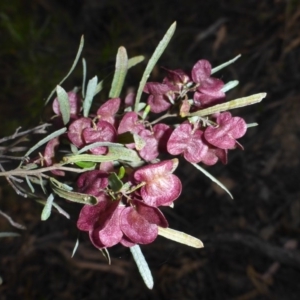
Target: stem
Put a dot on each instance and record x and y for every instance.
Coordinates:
(167, 115)
(17, 133)
(22, 172)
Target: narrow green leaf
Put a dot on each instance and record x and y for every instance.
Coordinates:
(142, 265)
(46, 139)
(72, 68)
(98, 144)
(42, 184)
(240, 102)
(99, 87)
(74, 149)
(124, 154)
(153, 60)
(85, 164)
(114, 182)
(90, 158)
(47, 208)
(230, 85)
(212, 178)
(75, 248)
(90, 92)
(141, 106)
(58, 208)
(58, 189)
(83, 77)
(29, 184)
(64, 104)
(135, 60)
(8, 234)
(252, 125)
(146, 112)
(120, 73)
(216, 69)
(180, 237)
(122, 172)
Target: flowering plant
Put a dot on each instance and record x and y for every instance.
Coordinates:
(126, 155)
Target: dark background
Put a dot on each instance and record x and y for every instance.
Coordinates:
(251, 243)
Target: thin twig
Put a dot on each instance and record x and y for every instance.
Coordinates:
(163, 117)
(37, 129)
(22, 172)
(11, 221)
(13, 184)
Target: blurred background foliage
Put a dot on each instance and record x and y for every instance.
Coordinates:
(39, 40)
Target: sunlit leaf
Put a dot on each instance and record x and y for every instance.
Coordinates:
(58, 208)
(230, 85)
(240, 102)
(252, 125)
(90, 92)
(99, 87)
(91, 158)
(216, 69)
(64, 104)
(180, 237)
(142, 265)
(83, 77)
(135, 60)
(98, 144)
(46, 139)
(212, 178)
(47, 208)
(120, 73)
(153, 60)
(124, 154)
(75, 248)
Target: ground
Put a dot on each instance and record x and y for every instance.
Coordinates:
(252, 242)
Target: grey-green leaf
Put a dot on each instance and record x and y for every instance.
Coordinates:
(75, 248)
(47, 208)
(99, 87)
(135, 60)
(72, 68)
(153, 60)
(120, 73)
(83, 77)
(64, 104)
(98, 144)
(142, 265)
(125, 154)
(46, 139)
(212, 178)
(90, 92)
(216, 69)
(230, 85)
(59, 189)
